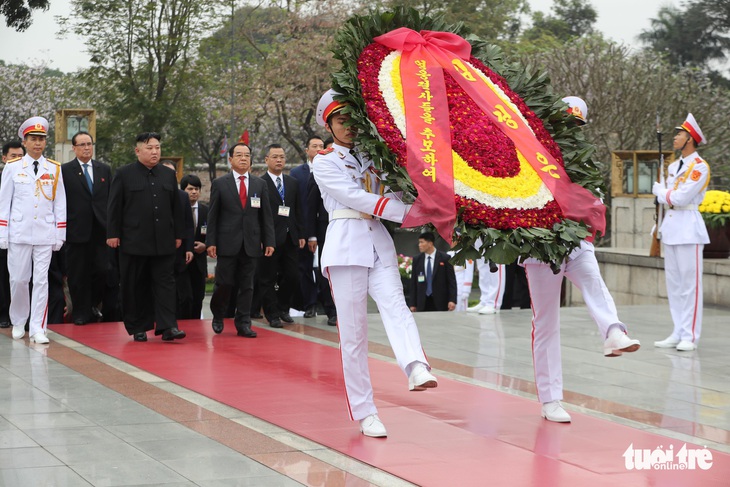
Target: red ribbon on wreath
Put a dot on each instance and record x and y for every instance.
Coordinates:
(425, 56)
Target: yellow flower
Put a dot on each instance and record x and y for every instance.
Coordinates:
(715, 202)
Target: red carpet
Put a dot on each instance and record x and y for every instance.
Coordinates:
(455, 435)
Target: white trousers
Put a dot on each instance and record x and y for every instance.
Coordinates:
(464, 279)
(683, 272)
(545, 287)
(491, 284)
(350, 288)
(22, 260)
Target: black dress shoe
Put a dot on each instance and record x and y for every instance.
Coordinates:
(4, 324)
(276, 323)
(286, 318)
(140, 337)
(217, 326)
(332, 320)
(80, 322)
(172, 334)
(311, 312)
(247, 332)
(256, 316)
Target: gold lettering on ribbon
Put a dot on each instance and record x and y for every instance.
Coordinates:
(462, 70)
(427, 116)
(504, 117)
(547, 167)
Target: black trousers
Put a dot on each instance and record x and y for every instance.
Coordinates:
(197, 288)
(148, 292)
(87, 264)
(110, 300)
(307, 282)
(231, 270)
(281, 268)
(56, 298)
(323, 284)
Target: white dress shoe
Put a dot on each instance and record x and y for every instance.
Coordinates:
(618, 342)
(373, 427)
(474, 309)
(488, 310)
(421, 379)
(40, 337)
(553, 411)
(668, 342)
(18, 332)
(686, 346)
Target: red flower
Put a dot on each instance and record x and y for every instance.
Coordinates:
(474, 137)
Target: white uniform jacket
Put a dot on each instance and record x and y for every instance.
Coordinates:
(346, 184)
(30, 212)
(685, 190)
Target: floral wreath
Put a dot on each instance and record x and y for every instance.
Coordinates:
(497, 196)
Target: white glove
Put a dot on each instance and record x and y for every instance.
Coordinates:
(3, 243)
(657, 188)
(57, 245)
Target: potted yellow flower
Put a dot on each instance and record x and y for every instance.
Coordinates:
(715, 210)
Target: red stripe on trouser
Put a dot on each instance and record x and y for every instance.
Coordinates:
(697, 290)
(499, 287)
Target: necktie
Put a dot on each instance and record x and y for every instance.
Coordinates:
(280, 187)
(195, 216)
(88, 178)
(679, 168)
(242, 191)
(35, 167)
(354, 154)
(429, 275)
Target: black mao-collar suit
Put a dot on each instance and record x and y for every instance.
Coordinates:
(146, 215)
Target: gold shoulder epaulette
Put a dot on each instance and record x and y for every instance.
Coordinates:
(13, 160)
(53, 162)
(326, 151)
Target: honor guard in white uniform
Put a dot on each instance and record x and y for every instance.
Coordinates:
(581, 268)
(491, 286)
(464, 278)
(32, 226)
(684, 234)
(359, 258)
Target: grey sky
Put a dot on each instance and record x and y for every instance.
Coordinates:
(621, 20)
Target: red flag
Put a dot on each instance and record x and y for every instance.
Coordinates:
(244, 137)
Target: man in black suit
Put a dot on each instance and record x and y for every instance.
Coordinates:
(239, 226)
(146, 225)
(197, 270)
(282, 267)
(315, 225)
(433, 281)
(184, 254)
(87, 184)
(307, 282)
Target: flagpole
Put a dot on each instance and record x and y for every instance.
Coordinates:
(233, 84)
